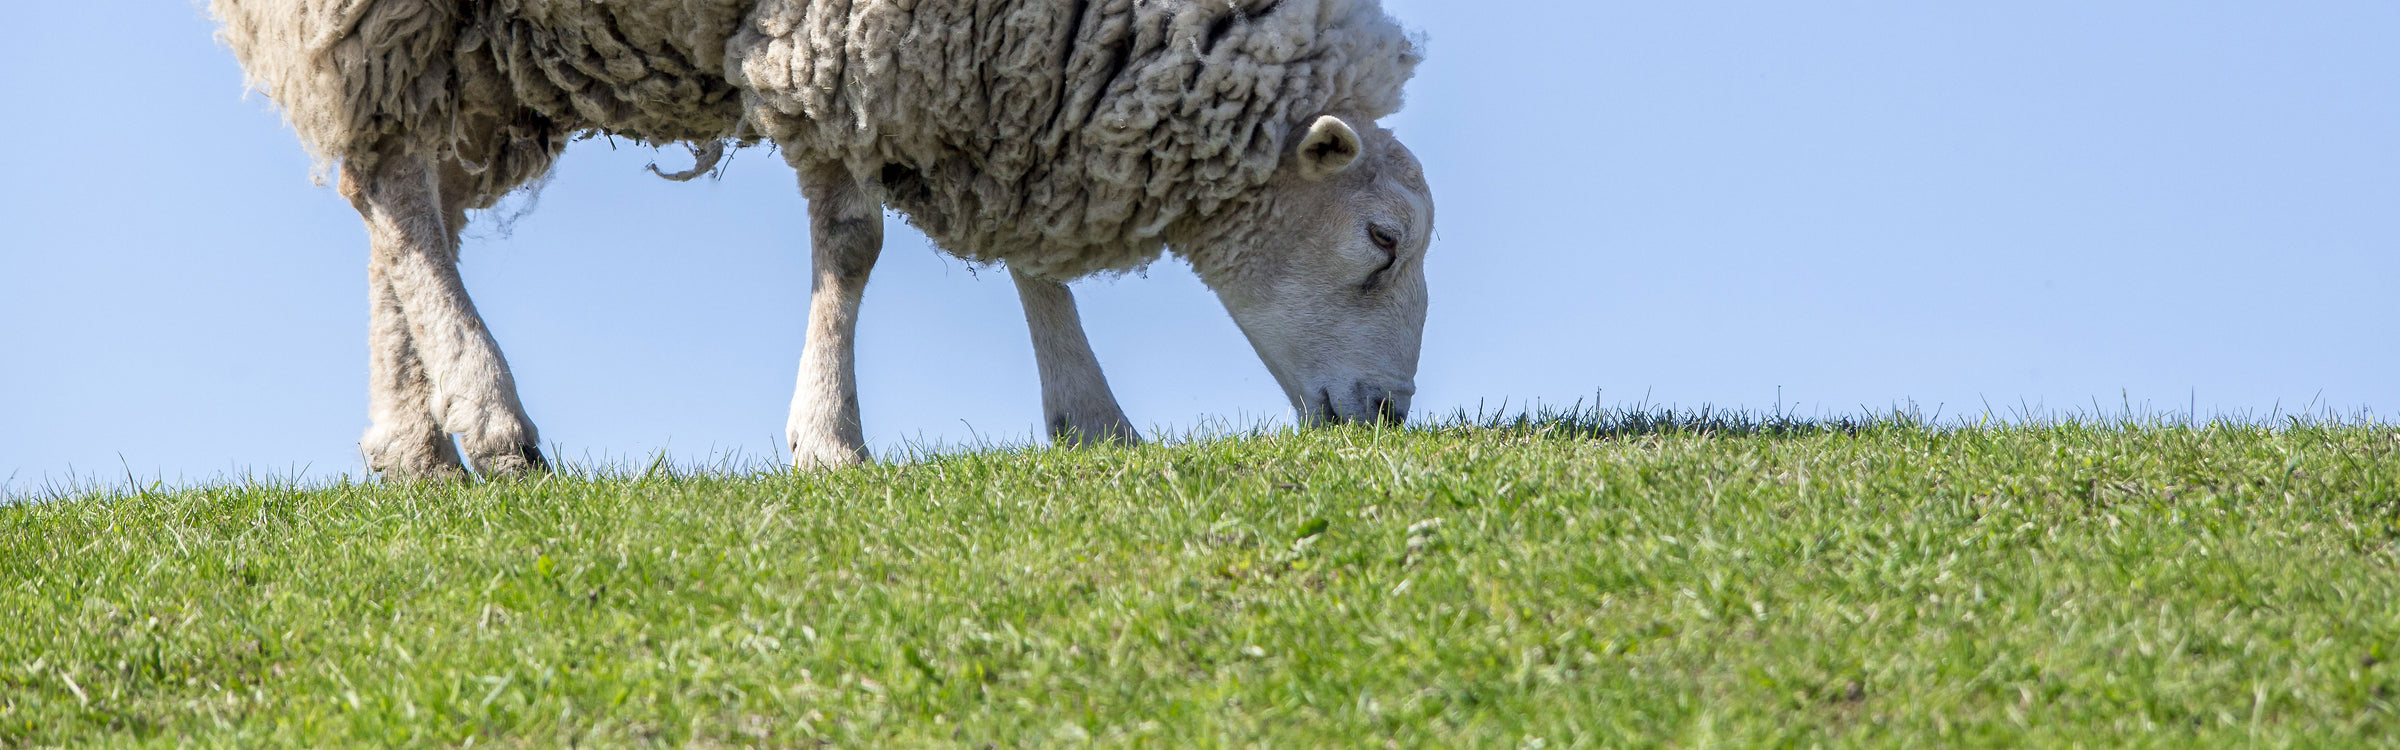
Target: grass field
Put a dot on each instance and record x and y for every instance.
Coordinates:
(1602, 579)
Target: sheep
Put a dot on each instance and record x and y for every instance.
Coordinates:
(1059, 138)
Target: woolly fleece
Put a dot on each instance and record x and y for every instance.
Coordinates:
(1064, 137)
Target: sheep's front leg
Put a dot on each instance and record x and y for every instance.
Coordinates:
(846, 236)
(437, 359)
(1076, 402)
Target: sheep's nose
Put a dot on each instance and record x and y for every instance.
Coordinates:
(1387, 404)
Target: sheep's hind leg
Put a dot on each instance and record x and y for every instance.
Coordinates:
(446, 366)
(1076, 402)
(846, 237)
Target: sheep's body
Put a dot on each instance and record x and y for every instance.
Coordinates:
(1062, 136)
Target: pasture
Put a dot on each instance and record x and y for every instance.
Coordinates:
(1599, 579)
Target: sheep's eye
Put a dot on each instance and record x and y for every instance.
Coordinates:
(1389, 241)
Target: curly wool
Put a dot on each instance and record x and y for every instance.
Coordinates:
(1064, 137)
(498, 86)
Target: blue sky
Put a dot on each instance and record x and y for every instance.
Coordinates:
(1841, 205)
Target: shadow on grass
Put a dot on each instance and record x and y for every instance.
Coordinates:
(1591, 423)
(1580, 422)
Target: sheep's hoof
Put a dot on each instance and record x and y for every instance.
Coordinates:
(516, 460)
(405, 454)
(1067, 432)
(502, 445)
(827, 455)
(421, 473)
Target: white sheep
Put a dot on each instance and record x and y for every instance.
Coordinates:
(1059, 137)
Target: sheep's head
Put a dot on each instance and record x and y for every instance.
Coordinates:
(1325, 273)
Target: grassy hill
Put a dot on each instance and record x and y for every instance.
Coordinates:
(1602, 579)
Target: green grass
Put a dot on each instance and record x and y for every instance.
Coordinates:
(1595, 580)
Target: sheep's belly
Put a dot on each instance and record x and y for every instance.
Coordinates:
(648, 69)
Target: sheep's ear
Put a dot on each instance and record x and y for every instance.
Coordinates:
(1330, 148)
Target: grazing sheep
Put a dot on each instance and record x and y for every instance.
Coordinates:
(1059, 137)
